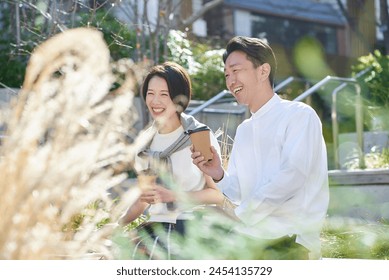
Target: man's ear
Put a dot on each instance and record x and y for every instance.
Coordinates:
(265, 71)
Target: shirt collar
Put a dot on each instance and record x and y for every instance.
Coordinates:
(267, 106)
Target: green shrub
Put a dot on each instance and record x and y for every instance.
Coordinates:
(204, 64)
(120, 39)
(355, 239)
(209, 79)
(12, 68)
(375, 83)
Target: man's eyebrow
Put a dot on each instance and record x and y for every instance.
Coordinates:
(231, 65)
(235, 64)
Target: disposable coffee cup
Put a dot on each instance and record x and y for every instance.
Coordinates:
(146, 180)
(201, 141)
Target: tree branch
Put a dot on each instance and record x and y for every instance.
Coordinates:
(199, 13)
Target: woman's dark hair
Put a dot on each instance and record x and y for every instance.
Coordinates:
(178, 83)
(257, 51)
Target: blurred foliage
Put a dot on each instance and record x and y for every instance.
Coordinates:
(355, 239)
(202, 241)
(78, 220)
(180, 50)
(310, 60)
(375, 83)
(12, 62)
(12, 67)
(137, 222)
(342, 238)
(375, 159)
(375, 89)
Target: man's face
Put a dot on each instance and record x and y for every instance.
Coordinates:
(242, 79)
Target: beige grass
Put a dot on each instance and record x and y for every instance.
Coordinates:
(66, 146)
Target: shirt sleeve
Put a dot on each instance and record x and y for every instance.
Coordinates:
(229, 185)
(302, 145)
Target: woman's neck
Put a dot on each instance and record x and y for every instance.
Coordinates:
(169, 126)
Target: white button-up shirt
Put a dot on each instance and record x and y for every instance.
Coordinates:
(278, 174)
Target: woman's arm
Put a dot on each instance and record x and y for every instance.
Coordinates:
(133, 212)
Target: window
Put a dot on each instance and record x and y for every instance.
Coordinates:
(287, 32)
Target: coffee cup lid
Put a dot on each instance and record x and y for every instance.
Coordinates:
(147, 171)
(202, 128)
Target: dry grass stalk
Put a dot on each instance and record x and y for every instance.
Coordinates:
(225, 143)
(65, 147)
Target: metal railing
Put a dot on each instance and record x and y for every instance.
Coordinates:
(334, 117)
(209, 102)
(284, 83)
(358, 123)
(287, 81)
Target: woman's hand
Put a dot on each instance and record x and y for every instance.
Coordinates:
(149, 196)
(158, 194)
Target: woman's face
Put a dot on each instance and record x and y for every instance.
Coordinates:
(159, 103)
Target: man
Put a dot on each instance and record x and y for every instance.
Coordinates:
(277, 172)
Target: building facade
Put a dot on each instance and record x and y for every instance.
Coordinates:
(343, 32)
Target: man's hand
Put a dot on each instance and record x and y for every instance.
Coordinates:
(212, 168)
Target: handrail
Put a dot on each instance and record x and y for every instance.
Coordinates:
(11, 90)
(209, 102)
(284, 83)
(358, 119)
(321, 83)
(358, 111)
(358, 123)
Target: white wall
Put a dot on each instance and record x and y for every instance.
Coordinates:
(199, 27)
(124, 12)
(242, 23)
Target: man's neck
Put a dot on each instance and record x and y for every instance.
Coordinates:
(260, 102)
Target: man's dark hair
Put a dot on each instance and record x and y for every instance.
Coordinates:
(257, 51)
(178, 83)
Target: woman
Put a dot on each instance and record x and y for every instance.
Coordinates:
(167, 92)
